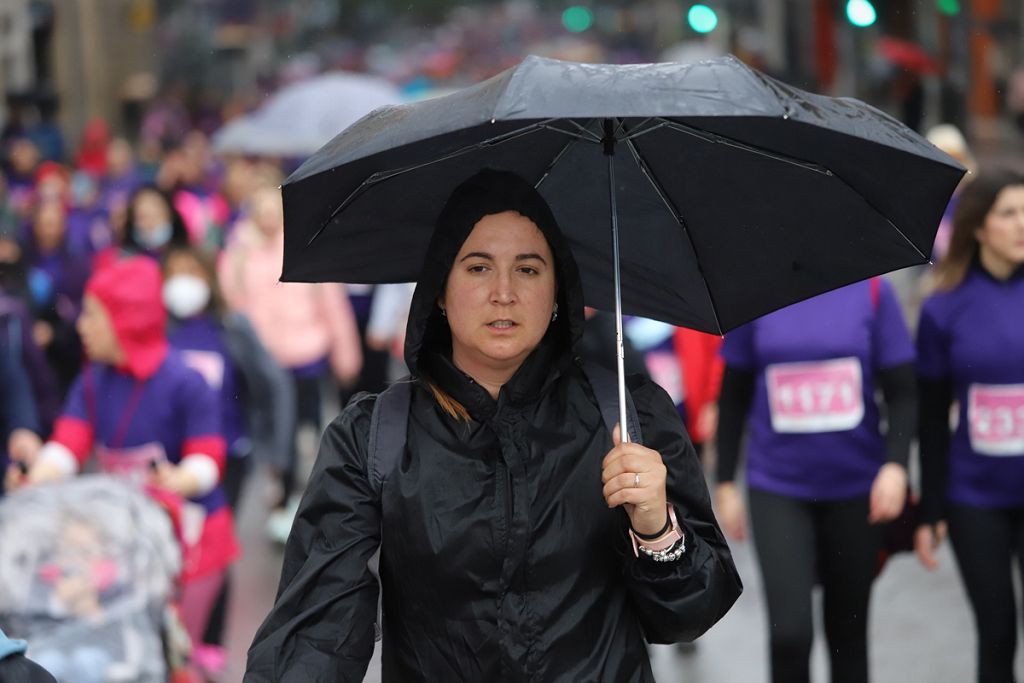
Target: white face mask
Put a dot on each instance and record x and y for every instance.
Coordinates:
(186, 295)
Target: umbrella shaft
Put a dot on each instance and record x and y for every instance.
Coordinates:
(620, 353)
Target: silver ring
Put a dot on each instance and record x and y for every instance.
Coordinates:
(636, 480)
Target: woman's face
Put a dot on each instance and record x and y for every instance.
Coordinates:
(48, 226)
(97, 332)
(500, 294)
(183, 263)
(151, 212)
(1002, 235)
(267, 211)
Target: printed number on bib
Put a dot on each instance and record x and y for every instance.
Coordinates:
(815, 397)
(995, 418)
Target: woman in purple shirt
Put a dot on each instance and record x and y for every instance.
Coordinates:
(971, 350)
(821, 476)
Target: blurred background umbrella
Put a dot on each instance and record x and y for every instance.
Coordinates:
(737, 194)
(300, 118)
(907, 55)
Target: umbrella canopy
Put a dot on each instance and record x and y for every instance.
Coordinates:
(736, 194)
(300, 118)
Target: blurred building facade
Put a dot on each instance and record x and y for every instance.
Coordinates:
(16, 63)
(104, 58)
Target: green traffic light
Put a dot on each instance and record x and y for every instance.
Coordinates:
(702, 19)
(577, 19)
(861, 13)
(949, 7)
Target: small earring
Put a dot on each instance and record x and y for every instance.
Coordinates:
(444, 313)
(554, 313)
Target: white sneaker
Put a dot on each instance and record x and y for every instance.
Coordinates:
(279, 522)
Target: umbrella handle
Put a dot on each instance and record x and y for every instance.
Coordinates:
(620, 354)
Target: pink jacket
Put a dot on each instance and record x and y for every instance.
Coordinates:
(299, 323)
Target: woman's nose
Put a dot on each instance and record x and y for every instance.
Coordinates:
(503, 291)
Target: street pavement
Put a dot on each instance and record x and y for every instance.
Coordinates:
(921, 627)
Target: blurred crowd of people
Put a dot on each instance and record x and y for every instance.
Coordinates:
(113, 252)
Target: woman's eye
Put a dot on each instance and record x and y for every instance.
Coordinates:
(477, 269)
(528, 270)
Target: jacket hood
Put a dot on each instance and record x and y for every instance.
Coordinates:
(131, 292)
(488, 192)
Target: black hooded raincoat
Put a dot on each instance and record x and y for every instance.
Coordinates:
(500, 559)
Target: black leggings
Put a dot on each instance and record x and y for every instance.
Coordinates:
(799, 544)
(308, 409)
(985, 541)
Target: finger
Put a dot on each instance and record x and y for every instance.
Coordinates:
(624, 463)
(630, 495)
(622, 449)
(875, 505)
(924, 545)
(940, 534)
(626, 480)
(616, 435)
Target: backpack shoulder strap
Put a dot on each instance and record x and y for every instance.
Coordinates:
(606, 390)
(388, 426)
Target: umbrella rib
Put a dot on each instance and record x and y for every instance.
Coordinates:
(887, 219)
(723, 140)
(555, 159)
(645, 169)
(641, 131)
(586, 135)
(381, 176)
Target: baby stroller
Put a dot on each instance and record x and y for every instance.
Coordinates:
(87, 572)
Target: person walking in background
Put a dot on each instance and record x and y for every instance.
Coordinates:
(152, 227)
(16, 332)
(255, 395)
(309, 329)
(970, 346)
(702, 367)
(19, 420)
(56, 280)
(822, 478)
(950, 140)
(149, 419)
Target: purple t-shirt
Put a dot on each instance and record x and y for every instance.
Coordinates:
(136, 422)
(200, 342)
(814, 423)
(974, 337)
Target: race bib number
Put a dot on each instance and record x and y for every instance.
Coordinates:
(815, 397)
(995, 418)
(133, 465)
(209, 364)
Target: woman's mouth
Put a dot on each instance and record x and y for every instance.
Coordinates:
(501, 324)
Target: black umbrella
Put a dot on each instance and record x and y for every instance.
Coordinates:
(737, 194)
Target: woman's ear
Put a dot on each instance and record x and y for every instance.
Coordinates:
(979, 235)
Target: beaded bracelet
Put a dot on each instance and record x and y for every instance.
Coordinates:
(667, 546)
(669, 554)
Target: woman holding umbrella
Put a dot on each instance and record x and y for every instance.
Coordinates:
(971, 350)
(518, 538)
